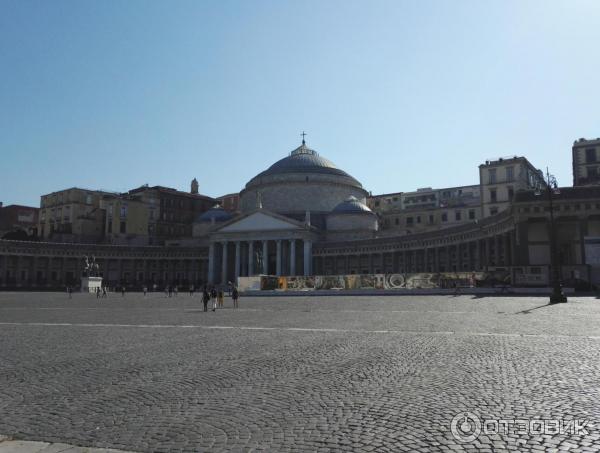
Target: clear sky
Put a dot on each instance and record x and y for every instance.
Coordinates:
(401, 94)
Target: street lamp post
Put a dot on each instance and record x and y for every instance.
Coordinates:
(552, 189)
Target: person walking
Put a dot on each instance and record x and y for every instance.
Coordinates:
(235, 296)
(98, 291)
(104, 294)
(191, 290)
(145, 289)
(123, 291)
(213, 296)
(175, 290)
(205, 299)
(70, 292)
(221, 297)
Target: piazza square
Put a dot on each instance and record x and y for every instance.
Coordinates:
(306, 373)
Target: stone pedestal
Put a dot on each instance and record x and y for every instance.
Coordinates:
(90, 284)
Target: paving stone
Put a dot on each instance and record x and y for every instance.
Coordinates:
(295, 374)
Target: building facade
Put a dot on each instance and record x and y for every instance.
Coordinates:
(586, 162)
(18, 220)
(502, 178)
(304, 216)
(73, 215)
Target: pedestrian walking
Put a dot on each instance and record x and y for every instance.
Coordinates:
(191, 290)
(221, 297)
(175, 290)
(98, 291)
(145, 289)
(123, 291)
(104, 293)
(205, 299)
(213, 296)
(70, 292)
(235, 296)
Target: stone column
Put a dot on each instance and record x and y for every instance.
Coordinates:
(371, 270)
(278, 258)
(250, 258)
(238, 260)
(477, 255)
(486, 261)
(307, 257)
(497, 250)
(211, 263)
(224, 264)
(347, 265)
(448, 260)
(436, 259)
(18, 271)
(292, 257)
(265, 269)
(458, 257)
(469, 257)
(582, 225)
(244, 259)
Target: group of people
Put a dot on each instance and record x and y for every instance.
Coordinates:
(217, 296)
(101, 292)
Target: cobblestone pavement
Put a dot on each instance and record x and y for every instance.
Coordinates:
(298, 373)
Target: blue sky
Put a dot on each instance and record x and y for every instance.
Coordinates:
(400, 94)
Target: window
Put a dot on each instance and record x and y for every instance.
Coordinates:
(88, 199)
(471, 214)
(492, 176)
(396, 221)
(418, 219)
(510, 174)
(444, 217)
(493, 211)
(395, 199)
(511, 193)
(123, 211)
(431, 218)
(493, 197)
(109, 228)
(377, 203)
(123, 227)
(592, 172)
(590, 155)
(151, 214)
(457, 215)
(409, 220)
(110, 210)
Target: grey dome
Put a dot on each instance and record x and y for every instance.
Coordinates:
(351, 206)
(303, 160)
(216, 213)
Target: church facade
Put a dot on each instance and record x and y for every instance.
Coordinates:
(303, 216)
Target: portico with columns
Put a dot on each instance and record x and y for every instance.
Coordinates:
(260, 243)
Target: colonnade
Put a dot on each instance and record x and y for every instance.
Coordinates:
(479, 254)
(48, 271)
(228, 260)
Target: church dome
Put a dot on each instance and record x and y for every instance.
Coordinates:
(302, 181)
(216, 214)
(303, 160)
(351, 206)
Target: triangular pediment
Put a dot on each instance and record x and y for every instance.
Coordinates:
(259, 221)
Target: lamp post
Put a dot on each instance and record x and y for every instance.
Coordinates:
(551, 188)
